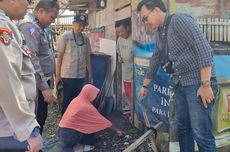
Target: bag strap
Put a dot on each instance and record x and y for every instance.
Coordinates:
(164, 42)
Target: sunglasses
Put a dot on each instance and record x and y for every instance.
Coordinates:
(145, 18)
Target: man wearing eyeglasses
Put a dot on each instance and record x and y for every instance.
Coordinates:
(73, 60)
(19, 130)
(187, 56)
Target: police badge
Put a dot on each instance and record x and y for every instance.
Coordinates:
(5, 36)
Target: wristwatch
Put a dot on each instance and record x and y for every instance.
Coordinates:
(35, 132)
(205, 82)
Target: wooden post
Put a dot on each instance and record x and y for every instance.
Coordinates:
(225, 30)
(152, 139)
(213, 30)
(209, 29)
(228, 27)
(221, 29)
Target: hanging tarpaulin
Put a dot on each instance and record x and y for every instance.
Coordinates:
(158, 100)
(221, 114)
(156, 104)
(142, 54)
(222, 65)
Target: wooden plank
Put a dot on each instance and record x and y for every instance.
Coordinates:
(140, 140)
(120, 3)
(228, 27)
(123, 13)
(110, 12)
(213, 30)
(202, 23)
(204, 27)
(209, 29)
(225, 31)
(216, 29)
(199, 22)
(110, 32)
(103, 17)
(152, 139)
(97, 19)
(136, 122)
(221, 29)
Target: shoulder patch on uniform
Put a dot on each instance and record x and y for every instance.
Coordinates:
(31, 30)
(6, 36)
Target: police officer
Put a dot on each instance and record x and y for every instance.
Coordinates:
(18, 126)
(73, 60)
(42, 55)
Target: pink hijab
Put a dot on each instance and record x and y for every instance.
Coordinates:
(82, 116)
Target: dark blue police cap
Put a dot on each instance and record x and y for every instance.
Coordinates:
(81, 19)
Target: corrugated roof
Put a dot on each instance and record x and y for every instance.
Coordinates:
(70, 4)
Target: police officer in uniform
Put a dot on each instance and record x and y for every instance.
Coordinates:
(19, 130)
(42, 55)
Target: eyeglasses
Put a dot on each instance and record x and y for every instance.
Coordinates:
(145, 18)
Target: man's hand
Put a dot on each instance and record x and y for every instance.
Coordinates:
(120, 59)
(206, 94)
(48, 95)
(118, 131)
(90, 80)
(35, 144)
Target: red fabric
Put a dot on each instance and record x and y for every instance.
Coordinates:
(128, 90)
(228, 97)
(82, 116)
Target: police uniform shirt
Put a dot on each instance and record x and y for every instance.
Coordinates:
(74, 56)
(17, 85)
(42, 55)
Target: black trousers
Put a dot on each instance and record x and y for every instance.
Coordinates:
(71, 88)
(70, 137)
(42, 110)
